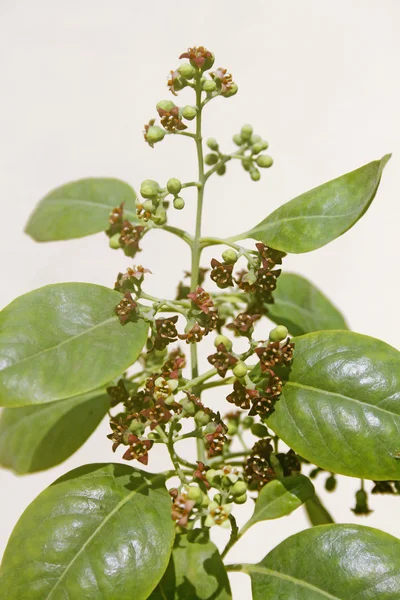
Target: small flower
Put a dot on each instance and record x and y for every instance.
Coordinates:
(222, 360)
(119, 425)
(201, 299)
(257, 469)
(214, 442)
(198, 56)
(170, 119)
(218, 515)
(241, 396)
(361, 507)
(166, 332)
(176, 361)
(194, 335)
(225, 81)
(126, 309)
(118, 393)
(289, 462)
(130, 237)
(131, 279)
(200, 473)
(181, 507)
(243, 324)
(274, 354)
(269, 256)
(221, 273)
(115, 220)
(138, 449)
(157, 415)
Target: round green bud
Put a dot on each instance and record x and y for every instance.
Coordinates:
(209, 86)
(210, 475)
(187, 71)
(239, 488)
(240, 499)
(256, 148)
(149, 188)
(278, 334)
(330, 483)
(264, 161)
(259, 430)
(155, 134)
(179, 203)
(210, 428)
(264, 144)
(211, 159)
(222, 339)
(194, 493)
(153, 435)
(255, 139)
(232, 91)
(202, 418)
(148, 206)
(230, 256)
(166, 105)
(237, 138)
(114, 241)
(174, 186)
(208, 63)
(212, 144)
(188, 407)
(246, 163)
(189, 112)
(246, 132)
(218, 499)
(221, 170)
(136, 426)
(160, 217)
(240, 369)
(232, 428)
(247, 422)
(255, 174)
(173, 384)
(314, 473)
(206, 501)
(179, 84)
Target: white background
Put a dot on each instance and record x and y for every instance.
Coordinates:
(318, 79)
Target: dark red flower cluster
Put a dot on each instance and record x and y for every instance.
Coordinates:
(275, 354)
(205, 313)
(165, 333)
(126, 309)
(138, 449)
(222, 360)
(221, 273)
(215, 441)
(243, 324)
(257, 468)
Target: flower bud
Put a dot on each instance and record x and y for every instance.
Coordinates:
(222, 339)
(195, 493)
(154, 134)
(148, 206)
(179, 203)
(247, 422)
(211, 159)
(330, 483)
(149, 189)
(264, 144)
(174, 186)
(212, 144)
(208, 63)
(210, 475)
(114, 241)
(232, 428)
(240, 499)
(233, 89)
(202, 418)
(237, 138)
(259, 430)
(239, 488)
(136, 426)
(246, 132)
(153, 435)
(255, 174)
(278, 334)
(221, 170)
(187, 71)
(240, 369)
(209, 86)
(189, 112)
(256, 148)
(230, 256)
(166, 105)
(246, 163)
(160, 217)
(264, 161)
(173, 384)
(255, 139)
(217, 498)
(188, 407)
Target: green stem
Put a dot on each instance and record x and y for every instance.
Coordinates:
(186, 237)
(233, 538)
(169, 441)
(199, 379)
(191, 184)
(218, 383)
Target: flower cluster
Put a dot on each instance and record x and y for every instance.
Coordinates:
(123, 234)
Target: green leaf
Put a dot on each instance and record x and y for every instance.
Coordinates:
(280, 497)
(79, 208)
(101, 532)
(63, 340)
(34, 438)
(195, 571)
(330, 562)
(316, 512)
(340, 408)
(322, 214)
(302, 307)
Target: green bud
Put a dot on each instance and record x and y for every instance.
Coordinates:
(208, 63)
(169, 401)
(230, 256)
(153, 435)
(114, 241)
(195, 493)
(202, 418)
(264, 161)
(166, 105)
(278, 334)
(206, 501)
(189, 112)
(259, 430)
(240, 369)
(211, 159)
(240, 499)
(136, 426)
(232, 428)
(237, 138)
(255, 174)
(247, 422)
(209, 86)
(160, 217)
(256, 148)
(246, 163)
(179, 203)
(173, 384)
(221, 170)
(217, 499)
(210, 475)
(174, 186)
(246, 132)
(239, 488)
(210, 428)
(222, 339)
(154, 134)
(188, 406)
(179, 84)
(148, 206)
(330, 483)
(264, 144)
(231, 92)
(149, 188)
(187, 71)
(212, 144)
(255, 139)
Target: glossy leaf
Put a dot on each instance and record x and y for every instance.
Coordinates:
(280, 497)
(322, 214)
(316, 512)
(101, 532)
(79, 208)
(335, 562)
(340, 408)
(63, 340)
(302, 307)
(34, 438)
(195, 571)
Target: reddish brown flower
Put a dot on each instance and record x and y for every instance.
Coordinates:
(170, 119)
(200, 473)
(157, 415)
(243, 324)
(224, 78)
(241, 396)
(201, 299)
(131, 279)
(269, 256)
(222, 360)
(115, 219)
(194, 335)
(181, 507)
(126, 309)
(176, 361)
(118, 393)
(214, 442)
(138, 449)
(257, 469)
(274, 354)
(130, 237)
(166, 332)
(197, 55)
(221, 273)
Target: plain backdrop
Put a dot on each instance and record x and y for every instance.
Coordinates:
(318, 79)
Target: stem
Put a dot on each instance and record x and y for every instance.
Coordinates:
(169, 441)
(179, 233)
(234, 536)
(199, 379)
(218, 383)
